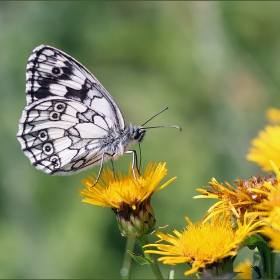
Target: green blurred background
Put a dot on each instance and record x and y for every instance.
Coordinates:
(215, 64)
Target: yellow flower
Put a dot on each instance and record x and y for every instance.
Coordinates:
(244, 270)
(274, 194)
(270, 208)
(248, 197)
(266, 147)
(272, 231)
(129, 199)
(114, 192)
(203, 244)
(256, 196)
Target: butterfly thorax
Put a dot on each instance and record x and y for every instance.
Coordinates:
(118, 141)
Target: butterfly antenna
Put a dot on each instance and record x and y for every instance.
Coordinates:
(165, 126)
(164, 109)
(161, 126)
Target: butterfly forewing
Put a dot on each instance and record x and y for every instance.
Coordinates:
(51, 72)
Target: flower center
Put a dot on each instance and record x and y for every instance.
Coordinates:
(206, 241)
(128, 191)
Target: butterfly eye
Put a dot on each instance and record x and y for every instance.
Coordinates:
(54, 116)
(139, 134)
(48, 148)
(43, 135)
(59, 107)
(56, 70)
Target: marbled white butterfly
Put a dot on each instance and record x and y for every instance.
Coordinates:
(70, 122)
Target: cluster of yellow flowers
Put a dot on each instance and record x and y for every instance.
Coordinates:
(266, 153)
(245, 215)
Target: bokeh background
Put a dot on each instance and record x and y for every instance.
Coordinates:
(215, 64)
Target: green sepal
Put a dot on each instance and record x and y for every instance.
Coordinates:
(139, 258)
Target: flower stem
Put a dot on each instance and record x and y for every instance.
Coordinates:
(143, 240)
(268, 259)
(270, 264)
(125, 270)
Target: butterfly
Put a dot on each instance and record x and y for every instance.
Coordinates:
(71, 122)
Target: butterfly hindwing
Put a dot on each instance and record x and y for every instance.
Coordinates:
(61, 135)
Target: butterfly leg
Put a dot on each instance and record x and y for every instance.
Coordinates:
(134, 164)
(100, 170)
(113, 169)
(139, 166)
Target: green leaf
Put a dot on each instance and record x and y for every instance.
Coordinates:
(139, 258)
(253, 241)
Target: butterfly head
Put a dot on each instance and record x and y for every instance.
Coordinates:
(138, 133)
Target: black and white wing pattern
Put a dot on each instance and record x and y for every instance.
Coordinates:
(51, 72)
(70, 122)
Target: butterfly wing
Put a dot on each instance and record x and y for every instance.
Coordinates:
(62, 136)
(51, 72)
